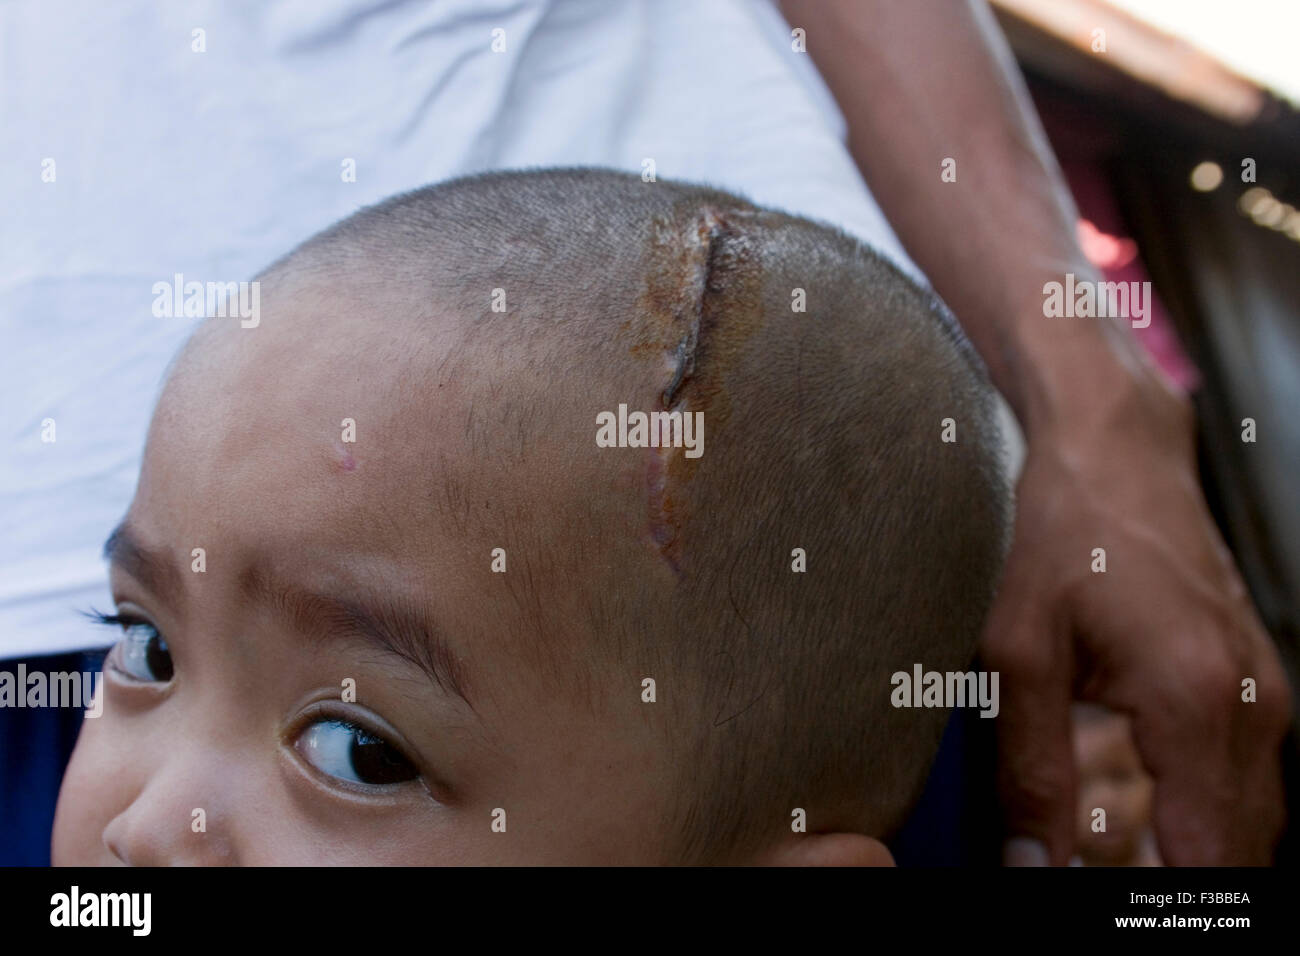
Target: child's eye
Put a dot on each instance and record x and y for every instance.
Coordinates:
(142, 652)
(354, 754)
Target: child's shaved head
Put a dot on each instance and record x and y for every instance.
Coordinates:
(824, 539)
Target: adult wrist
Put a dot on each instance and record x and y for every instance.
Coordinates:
(1073, 372)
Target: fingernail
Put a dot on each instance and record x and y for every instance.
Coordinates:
(1024, 851)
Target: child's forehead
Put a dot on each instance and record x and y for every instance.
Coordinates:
(323, 429)
(312, 435)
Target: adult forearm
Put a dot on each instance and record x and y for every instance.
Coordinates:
(925, 81)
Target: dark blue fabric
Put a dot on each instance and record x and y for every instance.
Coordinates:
(35, 744)
(956, 822)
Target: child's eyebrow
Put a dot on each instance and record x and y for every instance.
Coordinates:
(150, 568)
(381, 620)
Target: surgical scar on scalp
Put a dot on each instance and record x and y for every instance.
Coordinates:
(701, 302)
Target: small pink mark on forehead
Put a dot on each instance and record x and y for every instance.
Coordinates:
(345, 459)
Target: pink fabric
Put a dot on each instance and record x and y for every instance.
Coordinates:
(1107, 245)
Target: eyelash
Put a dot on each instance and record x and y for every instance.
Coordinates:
(113, 620)
(125, 622)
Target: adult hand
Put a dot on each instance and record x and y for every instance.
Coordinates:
(1166, 635)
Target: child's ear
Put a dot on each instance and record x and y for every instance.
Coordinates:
(829, 849)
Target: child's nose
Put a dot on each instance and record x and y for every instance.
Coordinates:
(168, 824)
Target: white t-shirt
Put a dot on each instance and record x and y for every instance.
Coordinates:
(140, 139)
